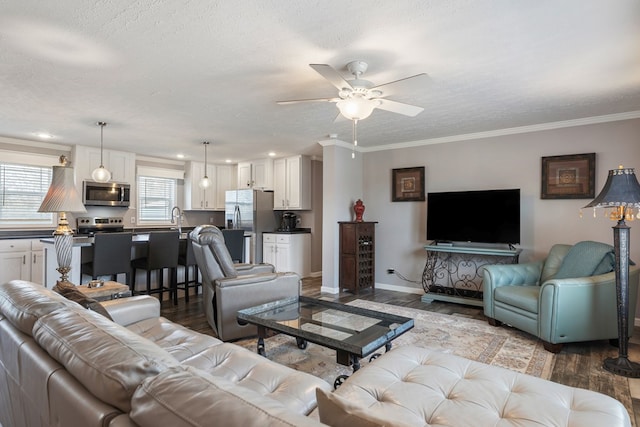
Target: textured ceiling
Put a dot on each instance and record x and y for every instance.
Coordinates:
(167, 75)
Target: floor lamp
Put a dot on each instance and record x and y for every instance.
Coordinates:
(621, 194)
(61, 198)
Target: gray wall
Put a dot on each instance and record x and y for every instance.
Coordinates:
(512, 161)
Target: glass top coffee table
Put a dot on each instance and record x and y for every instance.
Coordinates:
(352, 331)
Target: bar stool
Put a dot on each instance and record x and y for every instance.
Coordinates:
(109, 255)
(163, 248)
(188, 259)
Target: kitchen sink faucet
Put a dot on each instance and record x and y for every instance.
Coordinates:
(178, 217)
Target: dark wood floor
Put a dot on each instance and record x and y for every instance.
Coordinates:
(577, 365)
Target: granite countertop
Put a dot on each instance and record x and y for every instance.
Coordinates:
(25, 234)
(139, 238)
(294, 231)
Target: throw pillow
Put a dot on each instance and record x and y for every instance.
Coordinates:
(586, 259)
(72, 293)
(337, 411)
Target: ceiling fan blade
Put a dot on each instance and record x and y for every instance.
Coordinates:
(399, 107)
(403, 86)
(329, 73)
(297, 101)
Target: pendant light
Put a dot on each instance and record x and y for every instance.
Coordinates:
(101, 174)
(205, 182)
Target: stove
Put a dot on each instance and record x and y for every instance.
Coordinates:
(90, 225)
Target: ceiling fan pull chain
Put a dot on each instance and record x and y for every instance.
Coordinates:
(355, 138)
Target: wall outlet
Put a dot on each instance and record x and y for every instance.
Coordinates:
(133, 220)
(210, 220)
(390, 271)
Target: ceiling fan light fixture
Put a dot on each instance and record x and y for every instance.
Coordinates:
(357, 107)
(101, 174)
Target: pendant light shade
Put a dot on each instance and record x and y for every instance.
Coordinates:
(205, 182)
(101, 174)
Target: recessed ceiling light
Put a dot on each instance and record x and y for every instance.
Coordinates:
(43, 135)
(228, 161)
(180, 156)
(272, 154)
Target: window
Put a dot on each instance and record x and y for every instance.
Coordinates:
(156, 197)
(22, 189)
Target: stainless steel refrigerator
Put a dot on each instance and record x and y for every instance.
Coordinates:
(252, 211)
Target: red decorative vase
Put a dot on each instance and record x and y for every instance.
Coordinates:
(358, 208)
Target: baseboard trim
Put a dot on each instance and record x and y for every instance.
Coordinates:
(329, 290)
(405, 289)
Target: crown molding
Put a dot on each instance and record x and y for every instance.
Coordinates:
(32, 143)
(507, 131)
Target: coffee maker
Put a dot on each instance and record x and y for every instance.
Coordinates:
(289, 222)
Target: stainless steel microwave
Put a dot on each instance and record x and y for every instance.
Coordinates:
(105, 194)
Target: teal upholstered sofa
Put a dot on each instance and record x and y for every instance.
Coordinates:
(531, 297)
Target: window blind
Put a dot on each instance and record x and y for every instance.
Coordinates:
(156, 197)
(22, 189)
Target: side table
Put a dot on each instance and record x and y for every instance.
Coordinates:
(108, 291)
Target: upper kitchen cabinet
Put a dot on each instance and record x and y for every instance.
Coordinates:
(121, 164)
(256, 174)
(196, 198)
(222, 177)
(225, 180)
(292, 183)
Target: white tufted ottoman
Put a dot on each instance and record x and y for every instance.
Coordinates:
(412, 386)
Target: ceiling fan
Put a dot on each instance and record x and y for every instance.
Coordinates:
(357, 98)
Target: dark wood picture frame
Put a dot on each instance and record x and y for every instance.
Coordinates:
(569, 177)
(407, 184)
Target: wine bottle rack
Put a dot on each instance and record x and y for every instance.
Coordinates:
(357, 255)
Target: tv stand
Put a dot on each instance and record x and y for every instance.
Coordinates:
(453, 271)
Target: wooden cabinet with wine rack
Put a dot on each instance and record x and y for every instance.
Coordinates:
(357, 255)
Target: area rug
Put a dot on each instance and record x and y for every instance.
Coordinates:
(469, 338)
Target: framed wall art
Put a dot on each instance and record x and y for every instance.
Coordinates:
(568, 177)
(407, 184)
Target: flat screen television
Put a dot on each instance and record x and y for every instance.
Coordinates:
(487, 216)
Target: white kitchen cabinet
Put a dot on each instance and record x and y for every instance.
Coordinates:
(222, 178)
(196, 198)
(288, 252)
(37, 261)
(245, 179)
(256, 174)
(225, 180)
(121, 164)
(292, 183)
(21, 259)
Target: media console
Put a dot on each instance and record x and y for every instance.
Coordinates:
(453, 271)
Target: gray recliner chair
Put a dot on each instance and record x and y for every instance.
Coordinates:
(546, 300)
(229, 287)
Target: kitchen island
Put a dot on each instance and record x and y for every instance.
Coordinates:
(138, 250)
(51, 275)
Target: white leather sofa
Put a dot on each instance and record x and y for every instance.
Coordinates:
(412, 386)
(64, 365)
